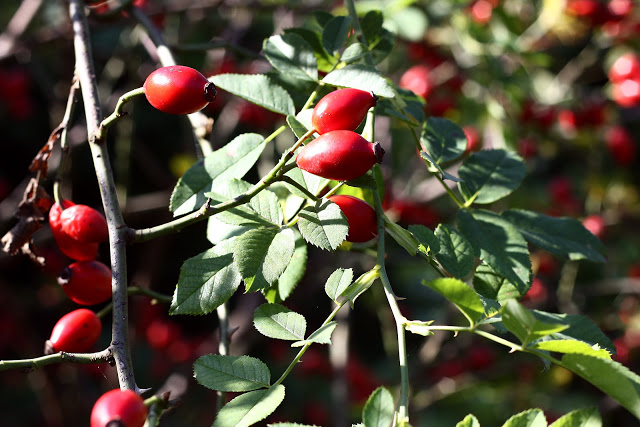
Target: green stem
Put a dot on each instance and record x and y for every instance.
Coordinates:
(403, 405)
(29, 365)
(136, 290)
(299, 186)
(118, 113)
(207, 210)
(296, 359)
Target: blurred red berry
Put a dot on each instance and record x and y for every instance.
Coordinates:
(595, 224)
(417, 79)
(527, 148)
(481, 11)
(621, 145)
(474, 142)
(627, 66)
(627, 93)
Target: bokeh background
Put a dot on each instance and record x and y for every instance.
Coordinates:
(556, 81)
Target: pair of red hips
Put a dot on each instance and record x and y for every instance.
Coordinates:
(341, 154)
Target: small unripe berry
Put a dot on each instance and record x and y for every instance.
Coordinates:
(340, 154)
(75, 332)
(123, 408)
(343, 109)
(363, 224)
(86, 282)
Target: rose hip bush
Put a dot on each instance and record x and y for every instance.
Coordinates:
(369, 215)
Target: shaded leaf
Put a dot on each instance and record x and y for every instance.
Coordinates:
(258, 89)
(444, 140)
(338, 282)
(291, 54)
(523, 324)
(293, 274)
(455, 253)
(322, 335)
(379, 409)
(361, 77)
(277, 321)
(231, 373)
(490, 175)
(335, 33)
(249, 408)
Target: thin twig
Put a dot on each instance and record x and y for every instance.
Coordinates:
(29, 365)
(17, 26)
(113, 214)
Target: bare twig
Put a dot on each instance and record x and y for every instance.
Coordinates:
(17, 26)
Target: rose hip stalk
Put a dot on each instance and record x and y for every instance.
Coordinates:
(343, 109)
(340, 154)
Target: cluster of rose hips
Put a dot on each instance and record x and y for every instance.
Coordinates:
(341, 154)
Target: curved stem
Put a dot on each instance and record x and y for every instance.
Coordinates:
(29, 365)
(118, 112)
(113, 214)
(74, 93)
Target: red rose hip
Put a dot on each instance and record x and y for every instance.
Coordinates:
(75, 332)
(86, 282)
(178, 90)
(84, 224)
(70, 247)
(363, 224)
(340, 154)
(124, 408)
(343, 109)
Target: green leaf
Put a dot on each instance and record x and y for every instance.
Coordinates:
(322, 335)
(406, 106)
(241, 216)
(570, 346)
(258, 89)
(364, 181)
(444, 140)
(314, 39)
(380, 40)
(419, 327)
(564, 237)
(455, 253)
(403, 237)
(609, 376)
(206, 281)
(307, 180)
(493, 285)
(335, 33)
(426, 238)
(435, 167)
(231, 373)
(523, 324)
(249, 408)
(298, 128)
(323, 225)
(233, 160)
(530, 418)
(461, 295)
(338, 282)
(360, 285)
(499, 244)
(361, 77)
(293, 274)
(579, 328)
(218, 231)
(277, 321)
(587, 417)
(469, 421)
(262, 255)
(379, 409)
(490, 175)
(354, 52)
(291, 54)
(290, 425)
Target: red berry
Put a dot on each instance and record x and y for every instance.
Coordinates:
(343, 109)
(621, 145)
(481, 11)
(117, 407)
(70, 247)
(627, 93)
(363, 224)
(417, 79)
(75, 332)
(474, 142)
(625, 67)
(340, 154)
(178, 90)
(595, 224)
(86, 282)
(84, 224)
